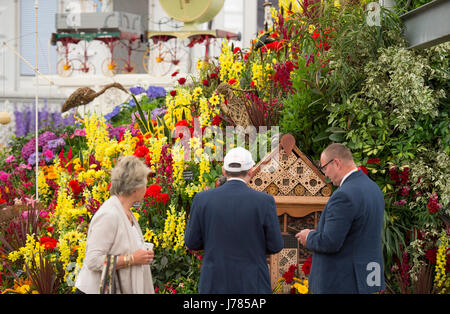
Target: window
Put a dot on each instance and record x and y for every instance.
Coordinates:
(46, 26)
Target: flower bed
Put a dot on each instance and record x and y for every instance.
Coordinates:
(321, 74)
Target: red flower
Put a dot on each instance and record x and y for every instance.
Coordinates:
(216, 120)
(141, 151)
(76, 187)
(182, 123)
(236, 50)
(306, 267)
(232, 81)
(433, 204)
(163, 198)
(374, 161)
(153, 190)
(173, 93)
(174, 74)
(2, 201)
(179, 128)
(430, 255)
(315, 35)
(50, 229)
(274, 35)
(181, 80)
(213, 75)
(48, 243)
(289, 275)
(273, 46)
(205, 82)
(364, 169)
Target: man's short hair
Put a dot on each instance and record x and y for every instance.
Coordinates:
(238, 174)
(337, 150)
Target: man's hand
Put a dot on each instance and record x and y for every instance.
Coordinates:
(301, 236)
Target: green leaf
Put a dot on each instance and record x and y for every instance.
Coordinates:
(336, 137)
(335, 130)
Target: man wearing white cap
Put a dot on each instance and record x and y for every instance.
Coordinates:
(236, 226)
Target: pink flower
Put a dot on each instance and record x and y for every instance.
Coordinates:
(11, 158)
(78, 132)
(23, 166)
(4, 176)
(49, 154)
(400, 203)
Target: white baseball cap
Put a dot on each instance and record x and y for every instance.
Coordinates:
(239, 156)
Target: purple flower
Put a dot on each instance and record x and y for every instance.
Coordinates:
(55, 144)
(158, 112)
(116, 132)
(137, 90)
(156, 92)
(28, 149)
(113, 113)
(132, 103)
(32, 159)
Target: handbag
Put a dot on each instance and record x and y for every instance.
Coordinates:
(110, 279)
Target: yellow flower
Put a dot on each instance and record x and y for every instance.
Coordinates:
(300, 288)
(136, 215)
(441, 280)
(214, 100)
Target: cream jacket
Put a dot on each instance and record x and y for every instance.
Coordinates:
(110, 232)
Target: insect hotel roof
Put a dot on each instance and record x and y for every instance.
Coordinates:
(299, 188)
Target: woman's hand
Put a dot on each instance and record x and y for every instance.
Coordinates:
(143, 257)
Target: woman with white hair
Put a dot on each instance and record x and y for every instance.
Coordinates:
(115, 231)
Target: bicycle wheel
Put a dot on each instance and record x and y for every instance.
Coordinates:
(109, 67)
(157, 60)
(64, 68)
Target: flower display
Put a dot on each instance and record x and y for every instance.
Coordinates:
(320, 73)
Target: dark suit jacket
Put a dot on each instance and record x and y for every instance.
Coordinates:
(236, 226)
(347, 249)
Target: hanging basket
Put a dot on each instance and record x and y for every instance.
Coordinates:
(5, 118)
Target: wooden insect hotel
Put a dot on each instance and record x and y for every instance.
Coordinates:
(300, 193)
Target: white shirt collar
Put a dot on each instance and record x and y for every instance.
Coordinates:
(347, 175)
(239, 179)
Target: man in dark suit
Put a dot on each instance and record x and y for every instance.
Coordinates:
(347, 249)
(236, 226)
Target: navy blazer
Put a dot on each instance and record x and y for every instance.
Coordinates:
(347, 249)
(236, 226)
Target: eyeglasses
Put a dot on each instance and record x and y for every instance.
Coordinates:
(321, 168)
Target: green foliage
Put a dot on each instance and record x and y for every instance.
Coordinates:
(173, 267)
